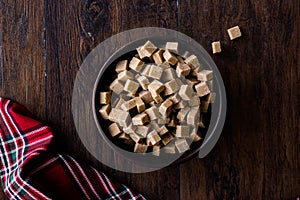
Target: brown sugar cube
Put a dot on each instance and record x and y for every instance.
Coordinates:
(167, 138)
(156, 150)
(153, 137)
(172, 122)
(140, 105)
(146, 96)
(114, 129)
(211, 97)
(121, 66)
(157, 57)
(140, 119)
(154, 126)
(152, 103)
(166, 63)
(202, 89)
(165, 107)
(148, 48)
(171, 87)
(194, 101)
(148, 142)
(234, 32)
(156, 87)
(162, 130)
(136, 137)
(182, 131)
(162, 120)
(131, 86)
(141, 53)
(118, 103)
(170, 58)
(201, 123)
(195, 71)
(129, 129)
(140, 148)
(146, 70)
(125, 75)
(136, 64)
(105, 97)
(143, 81)
(155, 72)
(192, 82)
(210, 85)
(124, 136)
(128, 105)
(182, 145)
(194, 135)
(182, 69)
(205, 75)
(179, 82)
(129, 142)
(113, 115)
(172, 47)
(124, 119)
(137, 76)
(183, 113)
(204, 106)
(116, 87)
(142, 130)
(174, 98)
(169, 74)
(114, 102)
(170, 148)
(180, 105)
(216, 47)
(163, 66)
(104, 111)
(157, 98)
(186, 92)
(180, 60)
(192, 61)
(193, 116)
(130, 95)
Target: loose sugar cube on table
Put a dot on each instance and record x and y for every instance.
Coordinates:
(216, 47)
(234, 32)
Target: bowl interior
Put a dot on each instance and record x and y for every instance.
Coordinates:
(107, 74)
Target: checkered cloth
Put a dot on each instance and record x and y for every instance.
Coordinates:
(29, 171)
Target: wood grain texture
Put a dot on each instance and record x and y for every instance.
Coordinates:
(22, 62)
(257, 156)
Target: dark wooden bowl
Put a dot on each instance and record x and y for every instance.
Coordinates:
(97, 72)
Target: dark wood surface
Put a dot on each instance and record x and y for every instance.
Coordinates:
(43, 43)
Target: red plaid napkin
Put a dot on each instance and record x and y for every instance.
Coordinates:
(29, 171)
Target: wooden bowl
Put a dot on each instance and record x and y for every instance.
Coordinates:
(97, 72)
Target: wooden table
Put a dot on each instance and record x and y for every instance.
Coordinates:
(43, 43)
